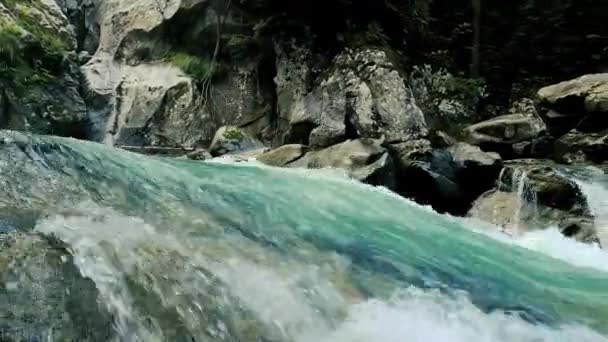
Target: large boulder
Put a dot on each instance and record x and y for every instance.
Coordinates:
(534, 194)
(364, 159)
(447, 179)
(578, 147)
(581, 103)
(364, 97)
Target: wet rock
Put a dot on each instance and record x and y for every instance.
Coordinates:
(550, 187)
(578, 147)
(232, 140)
(580, 103)
(283, 155)
(43, 292)
(534, 194)
(364, 159)
(448, 179)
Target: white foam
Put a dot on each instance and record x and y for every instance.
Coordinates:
(549, 242)
(418, 316)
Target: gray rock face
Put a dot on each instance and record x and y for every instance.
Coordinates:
(364, 159)
(447, 179)
(365, 96)
(581, 103)
(143, 105)
(578, 147)
(231, 140)
(139, 103)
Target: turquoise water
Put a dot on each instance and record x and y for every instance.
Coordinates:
(300, 255)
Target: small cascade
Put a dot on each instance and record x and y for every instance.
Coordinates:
(526, 206)
(594, 185)
(518, 184)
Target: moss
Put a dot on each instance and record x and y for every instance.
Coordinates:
(234, 134)
(198, 68)
(30, 54)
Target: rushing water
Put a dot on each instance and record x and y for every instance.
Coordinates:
(101, 244)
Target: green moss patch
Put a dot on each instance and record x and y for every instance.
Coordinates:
(199, 68)
(30, 54)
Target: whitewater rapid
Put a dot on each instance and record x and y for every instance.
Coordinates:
(170, 250)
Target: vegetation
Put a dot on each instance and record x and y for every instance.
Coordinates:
(199, 68)
(30, 55)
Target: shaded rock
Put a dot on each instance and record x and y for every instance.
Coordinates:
(318, 119)
(364, 159)
(449, 102)
(43, 291)
(440, 139)
(578, 147)
(541, 146)
(39, 78)
(549, 187)
(364, 96)
(580, 103)
(232, 140)
(579, 228)
(283, 155)
(448, 179)
(533, 195)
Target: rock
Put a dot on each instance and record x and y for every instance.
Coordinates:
(283, 155)
(449, 102)
(505, 130)
(580, 103)
(199, 154)
(232, 140)
(318, 119)
(447, 179)
(365, 97)
(440, 139)
(578, 147)
(364, 159)
(144, 105)
(547, 184)
(532, 195)
(145, 82)
(501, 208)
(473, 156)
(43, 291)
(40, 82)
(542, 146)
